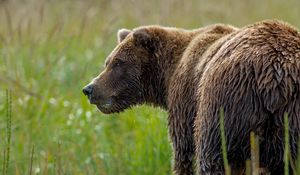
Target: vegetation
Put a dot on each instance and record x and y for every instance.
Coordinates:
(50, 49)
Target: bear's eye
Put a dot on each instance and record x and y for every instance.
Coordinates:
(118, 63)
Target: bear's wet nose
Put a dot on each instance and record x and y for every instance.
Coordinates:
(88, 90)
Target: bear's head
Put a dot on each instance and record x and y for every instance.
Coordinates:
(120, 84)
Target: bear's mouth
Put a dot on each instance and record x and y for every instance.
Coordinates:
(109, 109)
(105, 106)
(104, 109)
(112, 105)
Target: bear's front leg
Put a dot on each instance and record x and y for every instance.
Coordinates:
(181, 134)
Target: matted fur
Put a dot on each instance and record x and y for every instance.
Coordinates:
(255, 75)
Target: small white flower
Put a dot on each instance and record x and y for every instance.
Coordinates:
(81, 123)
(37, 170)
(20, 101)
(101, 155)
(66, 103)
(52, 101)
(71, 116)
(78, 131)
(79, 112)
(88, 115)
(88, 160)
(98, 127)
(69, 122)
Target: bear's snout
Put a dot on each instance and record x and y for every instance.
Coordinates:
(88, 90)
(98, 96)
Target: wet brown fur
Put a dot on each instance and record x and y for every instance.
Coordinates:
(255, 75)
(252, 72)
(182, 95)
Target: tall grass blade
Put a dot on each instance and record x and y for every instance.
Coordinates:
(31, 160)
(292, 164)
(9, 22)
(248, 167)
(8, 128)
(286, 144)
(4, 159)
(298, 159)
(223, 141)
(254, 144)
(58, 159)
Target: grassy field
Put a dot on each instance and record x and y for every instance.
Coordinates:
(50, 49)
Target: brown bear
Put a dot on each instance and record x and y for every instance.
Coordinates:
(252, 72)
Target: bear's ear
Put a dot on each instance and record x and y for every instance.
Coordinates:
(122, 33)
(143, 38)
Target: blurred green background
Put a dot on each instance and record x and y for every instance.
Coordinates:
(50, 49)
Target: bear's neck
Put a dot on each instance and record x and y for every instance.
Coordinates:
(163, 65)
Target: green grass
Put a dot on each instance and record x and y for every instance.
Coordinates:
(254, 146)
(286, 145)
(6, 152)
(50, 49)
(223, 142)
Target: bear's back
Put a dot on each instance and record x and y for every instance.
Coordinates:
(270, 50)
(186, 77)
